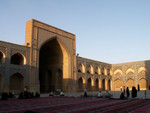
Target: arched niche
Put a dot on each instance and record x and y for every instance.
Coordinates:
(18, 59)
(81, 83)
(16, 83)
(109, 84)
(143, 84)
(130, 83)
(89, 84)
(97, 84)
(103, 84)
(2, 56)
(118, 84)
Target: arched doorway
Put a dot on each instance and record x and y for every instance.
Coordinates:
(80, 84)
(103, 84)
(97, 84)
(118, 84)
(16, 83)
(89, 84)
(51, 67)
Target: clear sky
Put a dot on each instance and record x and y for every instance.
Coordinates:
(112, 31)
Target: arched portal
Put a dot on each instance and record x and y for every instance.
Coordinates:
(89, 84)
(51, 67)
(97, 84)
(80, 84)
(103, 84)
(16, 83)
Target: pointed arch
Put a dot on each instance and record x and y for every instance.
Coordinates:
(16, 82)
(90, 84)
(105, 71)
(118, 72)
(103, 85)
(2, 56)
(82, 68)
(142, 70)
(97, 84)
(109, 84)
(143, 84)
(130, 83)
(18, 59)
(118, 84)
(81, 83)
(130, 71)
(91, 69)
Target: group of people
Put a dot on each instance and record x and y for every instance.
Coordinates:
(6, 95)
(61, 93)
(27, 95)
(127, 93)
(99, 94)
(23, 95)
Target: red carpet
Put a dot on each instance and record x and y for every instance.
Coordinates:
(74, 105)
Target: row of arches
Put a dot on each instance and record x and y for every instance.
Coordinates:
(17, 58)
(142, 83)
(16, 83)
(91, 70)
(92, 85)
(130, 71)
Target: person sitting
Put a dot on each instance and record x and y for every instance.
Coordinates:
(99, 95)
(122, 96)
(11, 95)
(107, 94)
(21, 96)
(62, 93)
(51, 94)
(4, 96)
(37, 95)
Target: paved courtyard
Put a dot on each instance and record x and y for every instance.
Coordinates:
(74, 105)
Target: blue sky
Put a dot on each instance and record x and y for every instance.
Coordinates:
(112, 31)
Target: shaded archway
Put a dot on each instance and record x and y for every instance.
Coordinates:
(97, 84)
(103, 84)
(80, 84)
(16, 83)
(143, 85)
(17, 59)
(51, 67)
(89, 84)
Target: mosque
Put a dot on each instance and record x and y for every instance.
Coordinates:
(48, 62)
